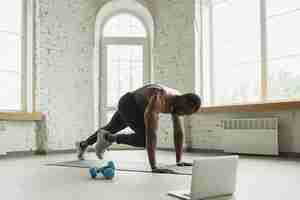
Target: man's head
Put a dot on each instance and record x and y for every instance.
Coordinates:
(186, 104)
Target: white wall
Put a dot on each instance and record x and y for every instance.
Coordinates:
(64, 55)
(17, 136)
(174, 44)
(289, 136)
(64, 68)
(64, 41)
(173, 53)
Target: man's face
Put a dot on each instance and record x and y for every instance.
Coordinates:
(184, 107)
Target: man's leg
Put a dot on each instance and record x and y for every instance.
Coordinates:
(115, 125)
(133, 115)
(136, 139)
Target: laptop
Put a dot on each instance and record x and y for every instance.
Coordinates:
(212, 177)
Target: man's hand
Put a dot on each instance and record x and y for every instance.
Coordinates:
(163, 171)
(183, 164)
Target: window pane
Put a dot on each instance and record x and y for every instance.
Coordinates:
(10, 55)
(283, 49)
(284, 79)
(10, 51)
(124, 25)
(236, 51)
(124, 70)
(10, 16)
(281, 6)
(10, 90)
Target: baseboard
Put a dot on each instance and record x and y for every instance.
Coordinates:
(165, 149)
(170, 149)
(289, 154)
(116, 148)
(192, 150)
(215, 151)
(18, 154)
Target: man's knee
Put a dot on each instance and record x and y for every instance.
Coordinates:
(131, 139)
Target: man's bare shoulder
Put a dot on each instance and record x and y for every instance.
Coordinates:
(170, 91)
(156, 89)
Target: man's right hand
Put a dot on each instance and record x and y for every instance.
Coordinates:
(163, 171)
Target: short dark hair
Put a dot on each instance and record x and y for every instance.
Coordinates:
(193, 99)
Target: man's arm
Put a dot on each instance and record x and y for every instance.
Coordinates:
(151, 123)
(178, 137)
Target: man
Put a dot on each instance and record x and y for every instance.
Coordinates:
(140, 111)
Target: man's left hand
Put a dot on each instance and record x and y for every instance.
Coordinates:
(184, 164)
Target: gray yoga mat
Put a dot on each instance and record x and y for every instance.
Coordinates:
(122, 166)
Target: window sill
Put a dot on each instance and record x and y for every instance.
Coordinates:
(258, 107)
(21, 116)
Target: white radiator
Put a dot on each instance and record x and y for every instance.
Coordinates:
(251, 136)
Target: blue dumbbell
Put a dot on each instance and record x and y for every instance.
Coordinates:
(107, 171)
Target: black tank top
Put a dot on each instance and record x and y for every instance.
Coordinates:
(140, 99)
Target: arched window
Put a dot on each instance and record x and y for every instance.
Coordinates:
(124, 35)
(124, 25)
(125, 59)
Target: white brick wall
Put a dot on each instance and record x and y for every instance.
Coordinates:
(174, 51)
(64, 58)
(16, 136)
(64, 44)
(174, 44)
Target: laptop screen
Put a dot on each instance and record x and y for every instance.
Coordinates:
(214, 176)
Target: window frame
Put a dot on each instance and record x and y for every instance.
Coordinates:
(27, 60)
(209, 103)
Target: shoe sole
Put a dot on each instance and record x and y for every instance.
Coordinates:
(80, 152)
(101, 144)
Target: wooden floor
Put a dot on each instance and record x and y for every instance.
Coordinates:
(29, 178)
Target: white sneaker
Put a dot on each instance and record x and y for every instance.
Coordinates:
(102, 144)
(80, 151)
